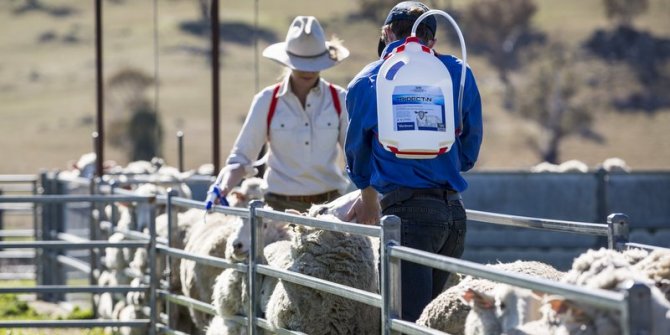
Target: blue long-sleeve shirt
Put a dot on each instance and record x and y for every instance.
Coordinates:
(369, 164)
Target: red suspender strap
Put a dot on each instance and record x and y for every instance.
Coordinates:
(273, 103)
(273, 106)
(336, 99)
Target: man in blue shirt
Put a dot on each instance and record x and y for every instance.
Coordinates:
(424, 193)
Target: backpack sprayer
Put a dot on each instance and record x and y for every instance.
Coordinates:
(415, 109)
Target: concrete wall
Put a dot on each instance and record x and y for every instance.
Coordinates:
(585, 197)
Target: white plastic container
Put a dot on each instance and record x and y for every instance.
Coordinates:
(415, 102)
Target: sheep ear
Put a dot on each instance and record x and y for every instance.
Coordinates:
(237, 193)
(538, 295)
(558, 305)
(480, 299)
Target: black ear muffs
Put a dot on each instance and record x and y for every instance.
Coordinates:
(380, 47)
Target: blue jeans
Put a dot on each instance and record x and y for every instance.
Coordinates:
(433, 224)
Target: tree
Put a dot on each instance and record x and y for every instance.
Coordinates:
(552, 98)
(623, 11)
(377, 10)
(498, 29)
(134, 125)
(145, 134)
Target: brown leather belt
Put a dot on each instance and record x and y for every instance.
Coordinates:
(312, 199)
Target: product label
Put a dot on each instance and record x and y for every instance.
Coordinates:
(418, 108)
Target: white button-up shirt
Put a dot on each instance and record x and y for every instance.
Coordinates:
(303, 142)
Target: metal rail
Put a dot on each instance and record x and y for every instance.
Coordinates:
(595, 297)
(597, 229)
(74, 289)
(71, 245)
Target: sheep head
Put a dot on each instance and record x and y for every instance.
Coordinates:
(250, 189)
(239, 242)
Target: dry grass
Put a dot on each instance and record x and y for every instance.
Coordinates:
(47, 93)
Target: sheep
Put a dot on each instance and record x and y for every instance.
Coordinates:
(239, 242)
(615, 164)
(218, 327)
(656, 266)
(131, 313)
(334, 256)
(230, 294)
(575, 315)
(250, 189)
(506, 309)
(573, 165)
(447, 311)
(592, 262)
(544, 167)
(610, 270)
(207, 239)
(105, 301)
(116, 258)
(481, 319)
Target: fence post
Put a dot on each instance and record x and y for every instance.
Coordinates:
(180, 150)
(94, 254)
(2, 214)
(390, 272)
(639, 318)
(153, 278)
(255, 257)
(42, 234)
(617, 231)
(58, 271)
(172, 315)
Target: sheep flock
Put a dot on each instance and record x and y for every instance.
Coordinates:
(467, 305)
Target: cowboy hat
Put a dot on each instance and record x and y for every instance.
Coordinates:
(306, 48)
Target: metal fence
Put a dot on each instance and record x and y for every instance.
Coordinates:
(388, 300)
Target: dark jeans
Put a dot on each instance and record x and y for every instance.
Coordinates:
(431, 224)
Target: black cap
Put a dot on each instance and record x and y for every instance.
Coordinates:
(403, 11)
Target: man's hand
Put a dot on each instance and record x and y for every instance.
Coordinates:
(366, 209)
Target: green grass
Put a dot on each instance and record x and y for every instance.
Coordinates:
(12, 308)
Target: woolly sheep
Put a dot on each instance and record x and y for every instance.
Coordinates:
(116, 258)
(575, 315)
(240, 240)
(131, 313)
(250, 189)
(505, 309)
(447, 312)
(573, 165)
(610, 270)
(205, 239)
(337, 257)
(615, 164)
(481, 319)
(544, 167)
(106, 301)
(656, 266)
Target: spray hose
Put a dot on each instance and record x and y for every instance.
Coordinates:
(463, 57)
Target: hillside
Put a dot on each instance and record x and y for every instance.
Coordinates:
(47, 78)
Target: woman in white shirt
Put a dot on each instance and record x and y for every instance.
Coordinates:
(303, 119)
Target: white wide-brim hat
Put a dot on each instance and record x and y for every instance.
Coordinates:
(306, 48)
